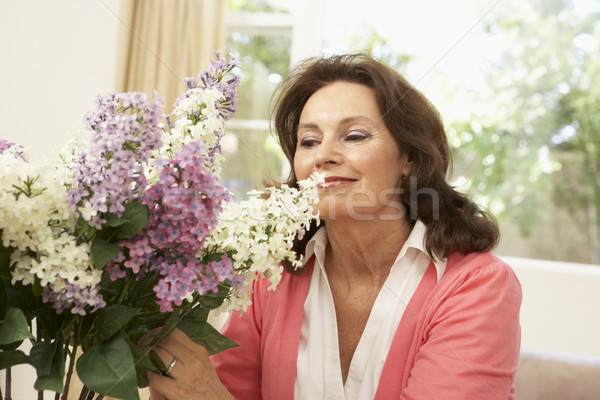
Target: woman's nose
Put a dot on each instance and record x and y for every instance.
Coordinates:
(330, 152)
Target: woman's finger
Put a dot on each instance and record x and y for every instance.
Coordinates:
(181, 346)
(160, 386)
(169, 360)
(155, 394)
(147, 338)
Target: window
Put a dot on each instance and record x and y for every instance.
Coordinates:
(266, 35)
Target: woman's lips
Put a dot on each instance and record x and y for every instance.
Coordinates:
(332, 181)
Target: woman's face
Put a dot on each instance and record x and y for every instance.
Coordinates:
(341, 134)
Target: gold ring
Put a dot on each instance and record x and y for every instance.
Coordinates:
(170, 367)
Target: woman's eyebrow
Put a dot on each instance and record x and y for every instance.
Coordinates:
(308, 125)
(359, 118)
(344, 121)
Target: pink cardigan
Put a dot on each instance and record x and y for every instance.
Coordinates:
(459, 338)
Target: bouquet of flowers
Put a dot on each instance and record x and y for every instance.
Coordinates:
(128, 230)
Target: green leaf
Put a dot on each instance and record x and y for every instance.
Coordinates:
(3, 298)
(141, 325)
(135, 217)
(170, 325)
(12, 346)
(5, 275)
(112, 318)
(109, 370)
(158, 362)
(50, 323)
(14, 328)
(113, 220)
(203, 333)
(5, 253)
(213, 300)
(198, 313)
(36, 288)
(49, 362)
(41, 355)
(8, 358)
(142, 361)
(102, 252)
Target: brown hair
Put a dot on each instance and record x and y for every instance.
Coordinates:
(454, 223)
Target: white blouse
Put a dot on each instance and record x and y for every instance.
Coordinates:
(318, 373)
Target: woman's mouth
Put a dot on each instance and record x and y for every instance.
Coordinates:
(333, 181)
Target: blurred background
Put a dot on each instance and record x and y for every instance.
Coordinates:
(513, 80)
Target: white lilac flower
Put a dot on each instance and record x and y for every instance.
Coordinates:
(258, 233)
(36, 221)
(198, 118)
(202, 110)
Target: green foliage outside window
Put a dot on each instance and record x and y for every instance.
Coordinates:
(265, 58)
(539, 145)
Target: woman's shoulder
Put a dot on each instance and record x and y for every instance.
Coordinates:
(458, 263)
(481, 269)
(475, 284)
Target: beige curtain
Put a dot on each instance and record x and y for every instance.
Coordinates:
(163, 41)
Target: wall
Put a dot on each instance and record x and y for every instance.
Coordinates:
(561, 306)
(57, 55)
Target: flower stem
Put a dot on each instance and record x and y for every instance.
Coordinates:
(147, 313)
(125, 289)
(141, 285)
(84, 392)
(7, 387)
(71, 359)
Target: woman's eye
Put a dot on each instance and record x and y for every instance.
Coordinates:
(356, 136)
(307, 143)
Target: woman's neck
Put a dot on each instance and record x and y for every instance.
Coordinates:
(364, 251)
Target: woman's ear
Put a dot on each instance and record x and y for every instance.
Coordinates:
(406, 165)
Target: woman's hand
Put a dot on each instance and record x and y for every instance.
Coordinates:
(191, 377)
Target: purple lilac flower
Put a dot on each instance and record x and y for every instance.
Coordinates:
(140, 252)
(16, 148)
(183, 207)
(184, 204)
(214, 76)
(114, 270)
(125, 129)
(73, 295)
(181, 278)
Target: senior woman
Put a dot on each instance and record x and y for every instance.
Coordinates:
(399, 296)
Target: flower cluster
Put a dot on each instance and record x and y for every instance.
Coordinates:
(203, 109)
(37, 223)
(213, 77)
(184, 203)
(126, 129)
(258, 233)
(6, 146)
(183, 207)
(184, 277)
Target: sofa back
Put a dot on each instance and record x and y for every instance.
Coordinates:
(544, 375)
